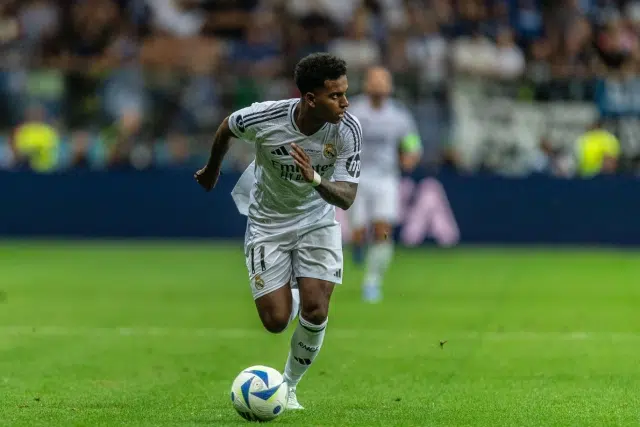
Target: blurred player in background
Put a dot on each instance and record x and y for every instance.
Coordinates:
(307, 162)
(392, 142)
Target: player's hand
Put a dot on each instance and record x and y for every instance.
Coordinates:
(408, 162)
(303, 161)
(206, 178)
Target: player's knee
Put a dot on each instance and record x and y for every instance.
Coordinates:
(358, 236)
(315, 295)
(381, 232)
(275, 321)
(316, 312)
(274, 309)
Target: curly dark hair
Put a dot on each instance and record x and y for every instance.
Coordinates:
(312, 71)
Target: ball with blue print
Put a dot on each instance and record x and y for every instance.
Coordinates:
(259, 393)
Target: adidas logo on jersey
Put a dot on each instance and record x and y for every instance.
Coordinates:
(280, 152)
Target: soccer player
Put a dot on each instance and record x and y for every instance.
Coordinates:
(392, 143)
(307, 162)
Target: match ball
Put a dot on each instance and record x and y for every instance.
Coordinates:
(259, 393)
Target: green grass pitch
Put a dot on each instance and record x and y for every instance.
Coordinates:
(152, 334)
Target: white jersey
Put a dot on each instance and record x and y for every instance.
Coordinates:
(384, 130)
(272, 191)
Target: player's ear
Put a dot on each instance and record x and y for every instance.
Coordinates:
(311, 99)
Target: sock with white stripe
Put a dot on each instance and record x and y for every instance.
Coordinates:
(305, 346)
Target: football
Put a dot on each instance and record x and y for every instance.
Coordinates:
(259, 393)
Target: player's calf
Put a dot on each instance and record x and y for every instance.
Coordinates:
(309, 334)
(378, 258)
(358, 244)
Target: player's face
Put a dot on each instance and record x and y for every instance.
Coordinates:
(331, 101)
(378, 83)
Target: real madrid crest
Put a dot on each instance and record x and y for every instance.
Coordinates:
(329, 151)
(258, 282)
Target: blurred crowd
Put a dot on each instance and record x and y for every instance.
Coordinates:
(144, 83)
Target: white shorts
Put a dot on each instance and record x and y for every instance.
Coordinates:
(274, 259)
(375, 203)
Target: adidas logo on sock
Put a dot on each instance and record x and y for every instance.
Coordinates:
(280, 152)
(302, 361)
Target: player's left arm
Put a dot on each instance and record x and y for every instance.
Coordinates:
(410, 145)
(342, 191)
(337, 193)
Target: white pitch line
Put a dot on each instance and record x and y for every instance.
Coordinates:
(386, 334)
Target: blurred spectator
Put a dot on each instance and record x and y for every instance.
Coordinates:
(539, 67)
(478, 55)
(39, 20)
(35, 142)
(314, 33)
(124, 97)
(553, 160)
(229, 19)
(427, 48)
(497, 20)
(339, 12)
(260, 52)
(509, 59)
(444, 14)
(632, 13)
(597, 151)
(176, 151)
(177, 17)
(9, 23)
(396, 56)
(79, 156)
(7, 158)
(392, 15)
(528, 22)
(474, 55)
(472, 16)
(357, 45)
(144, 83)
(616, 42)
(576, 57)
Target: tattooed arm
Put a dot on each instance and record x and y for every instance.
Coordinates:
(338, 193)
(342, 191)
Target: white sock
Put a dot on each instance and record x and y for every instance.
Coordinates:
(305, 346)
(378, 259)
(295, 304)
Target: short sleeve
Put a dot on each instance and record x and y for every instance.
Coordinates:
(348, 161)
(410, 126)
(247, 122)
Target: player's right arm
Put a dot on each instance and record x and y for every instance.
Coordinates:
(207, 177)
(242, 124)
